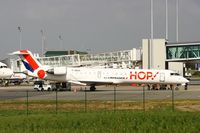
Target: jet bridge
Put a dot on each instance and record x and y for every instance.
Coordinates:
(180, 57)
(126, 57)
(188, 51)
(123, 59)
(56, 61)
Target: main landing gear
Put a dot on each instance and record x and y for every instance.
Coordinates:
(92, 88)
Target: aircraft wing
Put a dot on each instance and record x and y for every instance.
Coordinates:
(89, 83)
(77, 82)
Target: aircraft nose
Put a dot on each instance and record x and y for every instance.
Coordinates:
(186, 80)
(183, 80)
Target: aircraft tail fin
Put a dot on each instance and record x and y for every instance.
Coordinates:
(32, 65)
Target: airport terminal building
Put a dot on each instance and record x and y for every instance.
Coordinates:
(180, 57)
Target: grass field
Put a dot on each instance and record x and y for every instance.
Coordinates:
(100, 117)
(153, 121)
(184, 105)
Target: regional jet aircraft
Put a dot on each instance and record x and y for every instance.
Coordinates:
(98, 76)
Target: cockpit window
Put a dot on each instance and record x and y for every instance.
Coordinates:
(3, 66)
(174, 74)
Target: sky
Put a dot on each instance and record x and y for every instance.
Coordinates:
(94, 26)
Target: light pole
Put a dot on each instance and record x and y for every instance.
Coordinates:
(20, 36)
(166, 19)
(152, 36)
(177, 17)
(61, 42)
(42, 32)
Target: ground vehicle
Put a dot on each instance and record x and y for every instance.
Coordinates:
(41, 86)
(61, 86)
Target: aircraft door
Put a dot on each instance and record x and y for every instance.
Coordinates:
(99, 74)
(162, 77)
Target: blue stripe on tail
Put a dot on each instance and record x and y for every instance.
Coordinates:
(28, 67)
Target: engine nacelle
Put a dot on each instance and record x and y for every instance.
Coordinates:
(58, 71)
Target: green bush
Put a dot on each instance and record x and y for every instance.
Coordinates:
(196, 73)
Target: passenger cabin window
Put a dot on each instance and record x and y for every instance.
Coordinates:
(176, 74)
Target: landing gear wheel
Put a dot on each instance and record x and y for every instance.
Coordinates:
(92, 88)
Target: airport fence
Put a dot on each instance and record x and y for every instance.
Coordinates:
(83, 100)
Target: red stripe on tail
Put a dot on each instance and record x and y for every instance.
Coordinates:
(30, 60)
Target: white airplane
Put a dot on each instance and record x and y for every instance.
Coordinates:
(98, 76)
(5, 72)
(17, 78)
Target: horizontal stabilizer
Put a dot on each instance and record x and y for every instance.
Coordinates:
(19, 53)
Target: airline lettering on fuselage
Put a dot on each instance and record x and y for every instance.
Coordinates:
(143, 75)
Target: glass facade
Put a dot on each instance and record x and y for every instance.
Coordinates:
(183, 52)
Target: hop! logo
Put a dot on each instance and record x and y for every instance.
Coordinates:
(143, 75)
